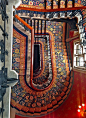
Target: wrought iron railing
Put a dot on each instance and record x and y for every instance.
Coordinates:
(4, 80)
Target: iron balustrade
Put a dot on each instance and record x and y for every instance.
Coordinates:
(4, 80)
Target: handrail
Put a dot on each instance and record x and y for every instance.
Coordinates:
(23, 22)
(50, 37)
(50, 10)
(32, 46)
(32, 54)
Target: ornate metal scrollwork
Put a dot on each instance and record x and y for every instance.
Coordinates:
(4, 80)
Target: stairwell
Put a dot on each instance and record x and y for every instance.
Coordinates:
(35, 102)
(21, 67)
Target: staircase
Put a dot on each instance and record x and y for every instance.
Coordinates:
(66, 10)
(42, 76)
(21, 68)
(44, 96)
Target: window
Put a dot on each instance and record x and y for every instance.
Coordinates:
(79, 56)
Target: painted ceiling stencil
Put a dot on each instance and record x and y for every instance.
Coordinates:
(41, 5)
(33, 3)
(23, 97)
(79, 3)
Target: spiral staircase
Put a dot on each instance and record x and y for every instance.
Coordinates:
(44, 90)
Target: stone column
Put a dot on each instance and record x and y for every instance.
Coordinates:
(8, 59)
